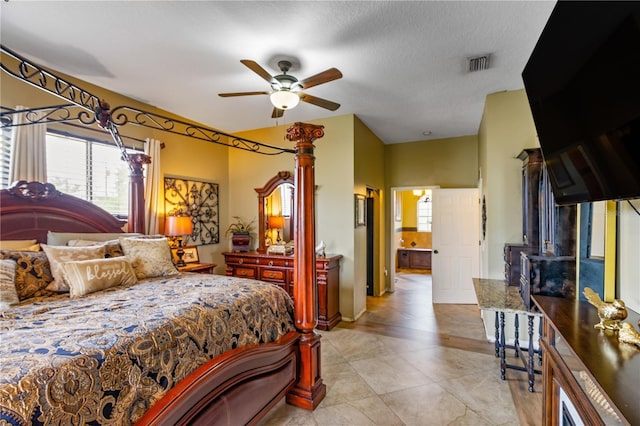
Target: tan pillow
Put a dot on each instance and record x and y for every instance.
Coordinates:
(33, 273)
(112, 248)
(89, 276)
(59, 254)
(150, 257)
(21, 245)
(8, 293)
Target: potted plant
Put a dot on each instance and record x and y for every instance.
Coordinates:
(241, 232)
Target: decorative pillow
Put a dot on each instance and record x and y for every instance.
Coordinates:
(112, 248)
(61, 238)
(33, 273)
(20, 245)
(8, 294)
(150, 257)
(89, 276)
(59, 254)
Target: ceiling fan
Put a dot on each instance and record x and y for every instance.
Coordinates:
(287, 90)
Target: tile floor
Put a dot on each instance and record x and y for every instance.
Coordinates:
(408, 362)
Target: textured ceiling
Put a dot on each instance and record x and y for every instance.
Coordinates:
(403, 62)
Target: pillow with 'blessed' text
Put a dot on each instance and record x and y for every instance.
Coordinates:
(88, 276)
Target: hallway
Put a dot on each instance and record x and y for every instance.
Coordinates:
(409, 362)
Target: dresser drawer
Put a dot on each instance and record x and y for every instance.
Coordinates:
(273, 275)
(239, 260)
(244, 272)
(284, 261)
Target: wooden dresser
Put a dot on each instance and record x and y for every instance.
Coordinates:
(278, 269)
(589, 377)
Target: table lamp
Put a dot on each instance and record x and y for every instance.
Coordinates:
(276, 222)
(178, 227)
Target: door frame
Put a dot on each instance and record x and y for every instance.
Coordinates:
(393, 246)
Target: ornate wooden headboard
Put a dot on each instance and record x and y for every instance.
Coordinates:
(30, 209)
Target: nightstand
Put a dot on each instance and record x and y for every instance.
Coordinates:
(200, 268)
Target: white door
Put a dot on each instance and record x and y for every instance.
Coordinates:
(455, 241)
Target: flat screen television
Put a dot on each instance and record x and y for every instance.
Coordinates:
(583, 85)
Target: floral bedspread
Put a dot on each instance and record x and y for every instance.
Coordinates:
(107, 357)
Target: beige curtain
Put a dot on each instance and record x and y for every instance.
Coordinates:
(153, 188)
(28, 151)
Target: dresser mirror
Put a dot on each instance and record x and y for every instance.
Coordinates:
(275, 211)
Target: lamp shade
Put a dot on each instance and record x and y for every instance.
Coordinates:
(284, 99)
(178, 226)
(276, 222)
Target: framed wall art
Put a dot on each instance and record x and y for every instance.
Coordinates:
(199, 200)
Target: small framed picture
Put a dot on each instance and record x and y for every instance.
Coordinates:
(361, 210)
(190, 254)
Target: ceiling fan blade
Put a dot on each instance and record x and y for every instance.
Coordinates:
(320, 78)
(227, 95)
(253, 66)
(319, 102)
(277, 113)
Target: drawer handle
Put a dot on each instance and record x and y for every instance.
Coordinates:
(271, 263)
(240, 261)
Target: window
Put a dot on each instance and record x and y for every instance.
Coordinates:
(286, 195)
(90, 170)
(424, 212)
(86, 168)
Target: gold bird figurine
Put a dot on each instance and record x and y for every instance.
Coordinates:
(628, 334)
(610, 313)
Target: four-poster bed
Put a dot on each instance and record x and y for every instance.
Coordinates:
(237, 386)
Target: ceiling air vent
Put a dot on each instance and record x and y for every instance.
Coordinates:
(478, 63)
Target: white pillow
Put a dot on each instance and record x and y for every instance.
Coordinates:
(150, 257)
(89, 276)
(8, 293)
(59, 254)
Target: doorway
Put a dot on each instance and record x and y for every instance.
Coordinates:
(455, 253)
(373, 241)
(410, 248)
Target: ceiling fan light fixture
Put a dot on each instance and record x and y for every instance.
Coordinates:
(284, 99)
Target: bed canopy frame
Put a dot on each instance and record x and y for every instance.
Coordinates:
(86, 108)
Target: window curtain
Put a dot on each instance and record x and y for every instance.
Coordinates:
(28, 150)
(153, 188)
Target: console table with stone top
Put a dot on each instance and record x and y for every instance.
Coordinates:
(499, 297)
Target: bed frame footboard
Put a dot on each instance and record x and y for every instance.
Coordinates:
(238, 387)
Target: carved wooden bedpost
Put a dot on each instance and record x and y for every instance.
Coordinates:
(136, 186)
(309, 390)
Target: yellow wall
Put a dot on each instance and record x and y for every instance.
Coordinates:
(448, 163)
(409, 210)
(505, 130)
(369, 173)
